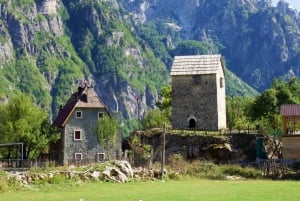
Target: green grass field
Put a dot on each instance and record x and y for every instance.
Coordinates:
(184, 190)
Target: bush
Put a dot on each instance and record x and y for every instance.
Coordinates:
(246, 172)
(58, 179)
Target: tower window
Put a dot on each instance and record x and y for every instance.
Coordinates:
(221, 82)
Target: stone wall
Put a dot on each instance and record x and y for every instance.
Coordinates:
(195, 97)
(235, 148)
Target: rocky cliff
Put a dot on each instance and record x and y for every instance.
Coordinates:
(48, 46)
(259, 41)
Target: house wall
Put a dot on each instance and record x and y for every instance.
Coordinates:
(88, 145)
(195, 97)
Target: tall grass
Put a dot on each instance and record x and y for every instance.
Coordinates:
(206, 169)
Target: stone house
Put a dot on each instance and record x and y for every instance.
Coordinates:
(78, 119)
(198, 92)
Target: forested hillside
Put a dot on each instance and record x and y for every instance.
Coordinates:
(126, 47)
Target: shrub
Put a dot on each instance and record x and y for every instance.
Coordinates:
(58, 179)
(246, 172)
(3, 185)
(177, 161)
(208, 170)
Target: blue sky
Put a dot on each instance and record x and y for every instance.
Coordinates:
(295, 3)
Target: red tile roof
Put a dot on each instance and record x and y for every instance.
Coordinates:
(290, 110)
(83, 98)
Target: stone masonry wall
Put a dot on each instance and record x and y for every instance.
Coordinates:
(195, 97)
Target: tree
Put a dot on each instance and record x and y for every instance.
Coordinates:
(25, 122)
(106, 131)
(158, 117)
(237, 109)
(165, 104)
(154, 119)
(265, 104)
(265, 108)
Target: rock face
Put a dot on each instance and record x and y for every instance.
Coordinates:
(220, 149)
(23, 33)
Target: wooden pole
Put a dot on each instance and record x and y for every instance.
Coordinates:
(163, 151)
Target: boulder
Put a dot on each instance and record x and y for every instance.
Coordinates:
(114, 174)
(125, 167)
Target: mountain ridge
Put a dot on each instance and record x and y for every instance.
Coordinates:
(126, 47)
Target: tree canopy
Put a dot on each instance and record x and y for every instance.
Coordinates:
(107, 131)
(265, 108)
(24, 122)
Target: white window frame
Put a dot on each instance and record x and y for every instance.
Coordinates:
(98, 156)
(102, 113)
(76, 130)
(78, 154)
(78, 112)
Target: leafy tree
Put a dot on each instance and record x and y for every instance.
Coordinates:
(237, 109)
(165, 104)
(269, 102)
(192, 47)
(287, 91)
(3, 118)
(158, 117)
(265, 104)
(106, 131)
(265, 108)
(27, 123)
(154, 119)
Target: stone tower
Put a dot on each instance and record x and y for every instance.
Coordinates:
(198, 92)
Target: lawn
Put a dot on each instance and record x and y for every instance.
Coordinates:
(184, 190)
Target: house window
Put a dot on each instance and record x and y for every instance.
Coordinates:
(77, 135)
(100, 115)
(221, 82)
(78, 156)
(101, 157)
(79, 115)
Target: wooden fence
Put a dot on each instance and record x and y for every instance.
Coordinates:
(27, 164)
(209, 132)
(18, 163)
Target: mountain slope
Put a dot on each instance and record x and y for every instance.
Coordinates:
(259, 41)
(48, 46)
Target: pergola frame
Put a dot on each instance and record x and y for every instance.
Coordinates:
(290, 114)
